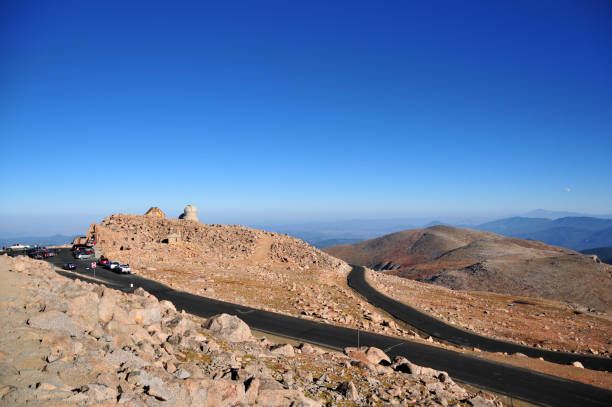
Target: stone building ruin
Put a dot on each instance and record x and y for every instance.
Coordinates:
(173, 238)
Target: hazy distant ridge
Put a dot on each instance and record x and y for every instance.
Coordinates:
(42, 240)
(575, 233)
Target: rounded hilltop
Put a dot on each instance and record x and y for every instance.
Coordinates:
(144, 239)
(465, 259)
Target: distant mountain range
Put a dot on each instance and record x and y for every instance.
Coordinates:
(577, 233)
(552, 227)
(41, 240)
(543, 213)
(333, 233)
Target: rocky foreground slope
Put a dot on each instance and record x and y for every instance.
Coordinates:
(466, 259)
(71, 343)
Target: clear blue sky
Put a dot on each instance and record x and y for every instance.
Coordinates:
(264, 111)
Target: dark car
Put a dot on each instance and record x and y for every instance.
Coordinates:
(70, 266)
(79, 247)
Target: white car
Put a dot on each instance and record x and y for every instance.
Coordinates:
(124, 268)
(17, 246)
(111, 265)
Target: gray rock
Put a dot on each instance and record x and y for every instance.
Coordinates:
(100, 392)
(229, 327)
(179, 324)
(252, 389)
(167, 307)
(479, 401)
(349, 391)
(181, 374)
(284, 350)
(124, 359)
(153, 385)
(54, 320)
(146, 316)
(106, 306)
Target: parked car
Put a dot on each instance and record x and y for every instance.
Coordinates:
(70, 266)
(48, 253)
(103, 260)
(84, 255)
(35, 253)
(17, 247)
(111, 265)
(124, 269)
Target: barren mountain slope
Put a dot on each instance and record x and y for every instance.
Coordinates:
(472, 260)
(525, 320)
(240, 265)
(142, 238)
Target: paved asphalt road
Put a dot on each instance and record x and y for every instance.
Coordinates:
(518, 383)
(445, 332)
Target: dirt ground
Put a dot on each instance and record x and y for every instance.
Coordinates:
(529, 321)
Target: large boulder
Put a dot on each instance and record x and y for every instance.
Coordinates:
(179, 324)
(56, 321)
(84, 310)
(281, 398)
(284, 350)
(229, 327)
(146, 316)
(377, 356)
(349, 390)
(106, 306)
(367, 355)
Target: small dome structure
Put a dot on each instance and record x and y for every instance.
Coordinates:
(190, 213)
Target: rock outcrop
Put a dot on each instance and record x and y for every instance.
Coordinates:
(68, 342)
(155, 212)
(138, 240)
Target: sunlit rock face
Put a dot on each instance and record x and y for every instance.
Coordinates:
(155, 212)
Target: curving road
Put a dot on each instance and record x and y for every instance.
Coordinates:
(457, 336)
(518, 383)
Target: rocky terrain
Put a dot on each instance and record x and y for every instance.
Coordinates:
(72, 343)
(241, 265)
(211, 245)
(465, 259)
